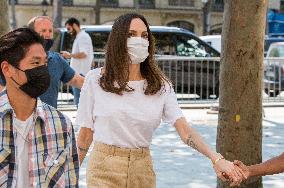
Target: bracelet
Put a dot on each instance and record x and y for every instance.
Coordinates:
(218, 159)
(83, 149)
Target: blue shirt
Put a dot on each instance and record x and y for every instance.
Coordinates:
(59, 70)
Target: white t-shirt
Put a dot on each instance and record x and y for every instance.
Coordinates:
(125, 121)
(22, 157)
(82, 43)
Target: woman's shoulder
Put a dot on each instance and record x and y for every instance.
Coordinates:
(93, 76)
(167, 86)
(94, 73)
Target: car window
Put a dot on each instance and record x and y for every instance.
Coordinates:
(187, 46)
(68, 40)
(99, 40)
(277, 51)
(164, 44)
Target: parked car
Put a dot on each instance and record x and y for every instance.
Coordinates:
(213, 40)
(274, 69)
(270, 39)
(168, 41)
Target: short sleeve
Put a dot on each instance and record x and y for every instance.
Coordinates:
(85, 111)
(68, 72)
(85, 44)
(171, 110)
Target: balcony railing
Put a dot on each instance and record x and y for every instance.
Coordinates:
(109, 3)
(103, 3)
(218, 7)
(181, 3)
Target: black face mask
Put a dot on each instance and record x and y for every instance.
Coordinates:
(48, 44)
(38, 81)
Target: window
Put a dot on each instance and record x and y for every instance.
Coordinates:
(182, 24)
(109, 3)
(277, 51)
(147, 3)
(99, 40)
(192, 48)
(181, 3)
(67, 2)
(68, 42)
(16, 2)
(281, 5)
(218, 5)
(164, 44)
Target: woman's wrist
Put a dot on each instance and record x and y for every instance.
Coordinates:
(216, 157)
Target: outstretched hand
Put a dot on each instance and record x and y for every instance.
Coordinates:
(243, 167)
(227, 171)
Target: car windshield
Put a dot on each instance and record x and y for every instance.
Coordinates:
(276, 51)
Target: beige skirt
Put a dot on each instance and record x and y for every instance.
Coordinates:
(114, 167)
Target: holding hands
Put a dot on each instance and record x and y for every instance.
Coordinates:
(228, 171)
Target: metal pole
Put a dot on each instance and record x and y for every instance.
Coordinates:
(136, 5)
(98, 12)
(57, 13)
(14, 23)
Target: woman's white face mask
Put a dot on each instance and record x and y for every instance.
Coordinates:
(137, 49)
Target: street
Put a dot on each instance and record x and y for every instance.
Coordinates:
(178, 166)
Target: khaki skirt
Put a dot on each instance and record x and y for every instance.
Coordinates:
(115, 167)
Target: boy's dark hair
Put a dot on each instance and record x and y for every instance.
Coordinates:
(15, 45)
(72, 21)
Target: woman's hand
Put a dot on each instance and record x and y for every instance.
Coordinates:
(226, 170)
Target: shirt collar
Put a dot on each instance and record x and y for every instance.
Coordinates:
(5, 106)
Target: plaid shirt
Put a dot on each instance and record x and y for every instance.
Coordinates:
(53, 158)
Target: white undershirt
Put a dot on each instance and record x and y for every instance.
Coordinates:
(22, 157)
(128, 120)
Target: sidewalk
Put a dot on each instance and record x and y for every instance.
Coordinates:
(177, 166)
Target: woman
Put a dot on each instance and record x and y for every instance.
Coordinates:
(123, 103)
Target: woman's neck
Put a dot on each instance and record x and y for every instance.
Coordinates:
(135, 73)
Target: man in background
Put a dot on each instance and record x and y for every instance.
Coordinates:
(58, 67)
(82, 52)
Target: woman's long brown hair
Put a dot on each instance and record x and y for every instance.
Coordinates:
(116, 74)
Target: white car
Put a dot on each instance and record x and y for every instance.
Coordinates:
(213, 40)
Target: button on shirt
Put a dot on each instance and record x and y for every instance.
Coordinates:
(125, 121)
(82, 43)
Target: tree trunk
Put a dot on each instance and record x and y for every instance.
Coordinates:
(57, 13)
(13, 12)
(239, 133)
(4, 23)
(98, 12)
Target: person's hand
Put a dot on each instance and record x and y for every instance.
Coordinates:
(65, 54)
(226, 170)
(243, 167)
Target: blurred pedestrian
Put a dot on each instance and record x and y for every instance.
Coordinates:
(131, 98)
(38, 146)
(82, 52)
(58, 67)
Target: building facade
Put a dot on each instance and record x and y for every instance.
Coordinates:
(188, 14)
